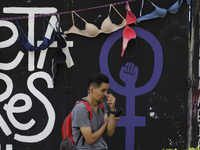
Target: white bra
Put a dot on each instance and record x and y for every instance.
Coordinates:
(92, 31)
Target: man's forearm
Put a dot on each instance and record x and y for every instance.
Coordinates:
(111, 125)
(90, 137)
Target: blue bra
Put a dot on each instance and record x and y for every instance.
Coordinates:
(45, 44)
(160, 12)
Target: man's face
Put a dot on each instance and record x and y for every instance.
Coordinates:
(100, 93)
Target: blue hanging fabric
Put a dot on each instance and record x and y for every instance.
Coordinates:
(46, 42)
(159, 12)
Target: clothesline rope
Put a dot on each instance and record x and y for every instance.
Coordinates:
(66, 12)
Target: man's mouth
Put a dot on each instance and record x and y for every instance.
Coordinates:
(103, 98)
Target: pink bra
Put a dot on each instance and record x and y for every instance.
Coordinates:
(92, 31)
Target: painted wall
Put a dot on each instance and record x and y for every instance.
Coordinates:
(153, 93)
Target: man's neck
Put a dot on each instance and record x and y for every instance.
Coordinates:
(92, 102)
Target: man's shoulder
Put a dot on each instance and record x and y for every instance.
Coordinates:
(79, 105)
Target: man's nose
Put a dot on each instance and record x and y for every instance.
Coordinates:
(105, 93)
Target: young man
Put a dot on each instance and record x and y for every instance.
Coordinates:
(92, 132)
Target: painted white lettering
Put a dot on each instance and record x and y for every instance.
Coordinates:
(69, 61)
(4, 126)
(14, 63)
(11, 109)
(9, 147)
(50, 110)
(31, 23)
(14, 30)
(48, 34)
(9, 87)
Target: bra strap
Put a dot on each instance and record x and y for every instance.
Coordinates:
(135, 51)
(20, 29)
(153, 3)
(109, 9)
(80, 17)
(128, 9)
(43, 26)
(49, 23)
(141, 8)
(58, 24)
(117, 11)
(72, 17)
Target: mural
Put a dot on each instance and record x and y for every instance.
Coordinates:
(129, 74)
(10, 106)
(41, 79)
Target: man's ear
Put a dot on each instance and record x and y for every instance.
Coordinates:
(91, 88)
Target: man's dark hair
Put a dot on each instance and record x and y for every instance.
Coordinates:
(97, 79)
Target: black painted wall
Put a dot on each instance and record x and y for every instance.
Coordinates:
(164, 107)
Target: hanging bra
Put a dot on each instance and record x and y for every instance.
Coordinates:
(45, 44)
(128, 34)
(130, 16)
(160, 12)
(92, 31)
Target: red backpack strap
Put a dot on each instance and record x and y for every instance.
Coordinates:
(67, 124)
(69, 127)
(64, 130)
(89, 109)
(102, 107)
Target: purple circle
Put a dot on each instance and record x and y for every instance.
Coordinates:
(158, 60)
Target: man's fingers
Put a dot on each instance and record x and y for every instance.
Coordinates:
(108, 95)
(117, 119)
(111, 100)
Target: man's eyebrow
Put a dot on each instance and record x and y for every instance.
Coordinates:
(105, 89)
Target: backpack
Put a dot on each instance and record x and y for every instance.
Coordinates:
(67, 137)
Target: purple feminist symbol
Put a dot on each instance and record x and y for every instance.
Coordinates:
(129, 74)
